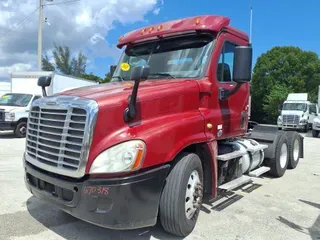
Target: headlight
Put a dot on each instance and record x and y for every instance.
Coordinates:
(9, 116)
(279, 119)
(124, 157)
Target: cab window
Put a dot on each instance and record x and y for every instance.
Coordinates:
(225, 65)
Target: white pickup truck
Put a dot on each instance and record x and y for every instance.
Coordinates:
(297, 112)
(14, 106)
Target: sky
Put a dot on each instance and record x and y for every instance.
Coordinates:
(94, 26)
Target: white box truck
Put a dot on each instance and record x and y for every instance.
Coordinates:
(297, 112)
(15, 105)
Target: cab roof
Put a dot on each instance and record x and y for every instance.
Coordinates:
(196, 23)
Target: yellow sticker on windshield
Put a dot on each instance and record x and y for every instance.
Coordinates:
(4, 96)
(125, 67)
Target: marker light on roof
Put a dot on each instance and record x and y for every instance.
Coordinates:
(120, 38)
(198, 21)
(142, 32)
(151, 29)
(159, 27)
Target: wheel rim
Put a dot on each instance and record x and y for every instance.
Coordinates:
(284, 155)
(193, 194)
(296, 149)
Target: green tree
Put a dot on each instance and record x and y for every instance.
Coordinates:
(79, 64)
(91, 77)
(107, 78)
(46, 64)
(64, 62)
(271, 102)
(278, 72)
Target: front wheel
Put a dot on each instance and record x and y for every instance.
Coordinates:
(181, 198)
(21, 130)
(305, 128)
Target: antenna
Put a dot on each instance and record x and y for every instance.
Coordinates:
(250, 36)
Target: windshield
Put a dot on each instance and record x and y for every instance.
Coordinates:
(19, 100)
(180, 57)
(295, 106)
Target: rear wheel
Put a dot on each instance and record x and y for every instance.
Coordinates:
(315, 133)
(279, 164)
(294, 149)
(181, 198)
(21, 130)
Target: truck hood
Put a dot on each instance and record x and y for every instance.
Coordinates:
(292, 112)
(10, 108)
(116, 93)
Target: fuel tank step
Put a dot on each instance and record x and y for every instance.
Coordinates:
(232, 155)
(259, 171)
(235, 183)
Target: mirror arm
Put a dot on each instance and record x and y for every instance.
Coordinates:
(225, 93)
(130, 112)
(44, 92)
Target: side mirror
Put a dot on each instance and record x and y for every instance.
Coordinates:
(44, 82)
(242, 64)
(279, 108)
(140, 73)
(112, 69)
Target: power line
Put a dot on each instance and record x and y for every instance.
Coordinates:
(65, 2)
(25, 19)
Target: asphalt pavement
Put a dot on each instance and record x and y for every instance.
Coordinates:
(287, 208)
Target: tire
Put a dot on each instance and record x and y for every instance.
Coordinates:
(173, 203)
(305, 129)
(279, 164)
(315, 133)
(21, 130)
(294, 149)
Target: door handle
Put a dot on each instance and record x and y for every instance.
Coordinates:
(223, 93)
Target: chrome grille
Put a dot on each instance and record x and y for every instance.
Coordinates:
(59, 135)
(291, 119)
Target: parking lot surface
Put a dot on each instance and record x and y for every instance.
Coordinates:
(272, 209)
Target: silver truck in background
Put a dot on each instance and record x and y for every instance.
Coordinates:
(15, 105)
(297, 112)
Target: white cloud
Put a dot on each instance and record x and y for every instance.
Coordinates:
(82, 26)
(156, 11)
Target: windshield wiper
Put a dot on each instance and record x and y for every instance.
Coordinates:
(162, 74)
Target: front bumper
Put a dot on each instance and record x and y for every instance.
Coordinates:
(119, 203)
(6, 126)
(295, 126)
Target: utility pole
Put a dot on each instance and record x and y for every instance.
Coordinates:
(40, 35)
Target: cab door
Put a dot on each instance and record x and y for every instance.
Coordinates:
(229, 115)
(312, 112)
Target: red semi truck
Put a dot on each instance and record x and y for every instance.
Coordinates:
(171, 126)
